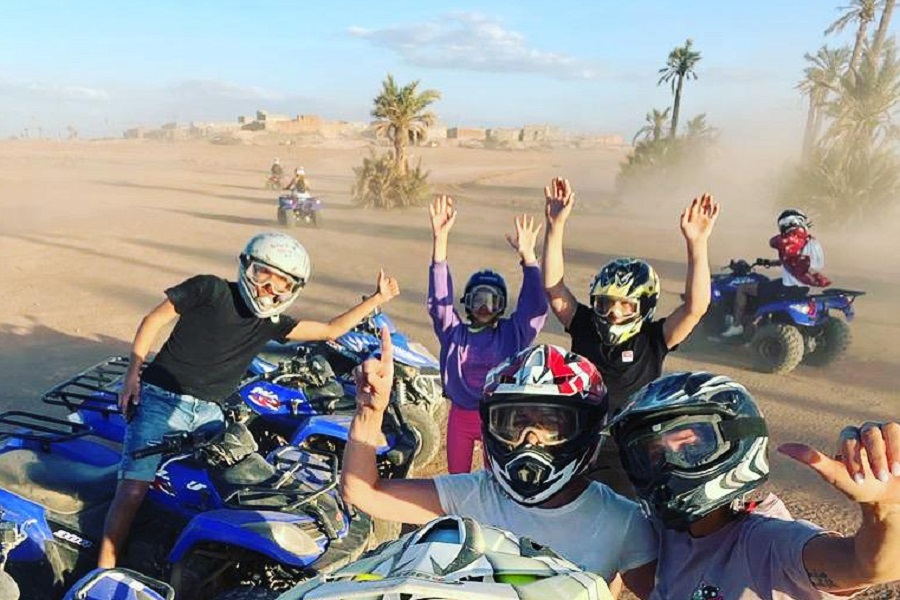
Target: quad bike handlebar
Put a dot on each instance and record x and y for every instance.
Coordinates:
(742, 267)
(176, 443)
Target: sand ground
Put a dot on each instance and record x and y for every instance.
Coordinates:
(91, 233)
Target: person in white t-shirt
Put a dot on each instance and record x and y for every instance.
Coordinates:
(693, 444)
(542, 414)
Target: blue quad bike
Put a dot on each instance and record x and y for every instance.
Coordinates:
(283, 369)
(220, 521)
(786, 329)
(299, 208)
(301, 394)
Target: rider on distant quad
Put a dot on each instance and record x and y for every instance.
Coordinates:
(801, 258)
(298, 183)
(276, 170)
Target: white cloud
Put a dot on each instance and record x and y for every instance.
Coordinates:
(473, 42)
(43, 91)
(198, 89)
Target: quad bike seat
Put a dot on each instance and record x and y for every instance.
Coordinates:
(56, 483)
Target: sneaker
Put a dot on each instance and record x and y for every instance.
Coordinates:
(733, 331)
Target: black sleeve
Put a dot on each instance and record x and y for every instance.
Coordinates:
(656, 336)
(284, 326)
(581, 322)
(192, 292)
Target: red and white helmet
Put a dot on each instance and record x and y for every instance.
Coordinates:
(542, 413)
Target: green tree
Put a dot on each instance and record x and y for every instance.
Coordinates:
(402, 114)
(656, 123)
(820, 79)
(679, 67)
(861, 12)
(881, 34)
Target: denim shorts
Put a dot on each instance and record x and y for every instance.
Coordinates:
(161, 412)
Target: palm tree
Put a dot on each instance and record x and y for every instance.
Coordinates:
(880, 35)
(653, 130)
(862, 12)
(820, 79)
(679, 66)
(401, 114)
(699, 129)
(862, 109)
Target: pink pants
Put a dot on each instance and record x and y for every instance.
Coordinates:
(463, 430)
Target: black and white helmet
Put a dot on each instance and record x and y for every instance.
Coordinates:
(691, 443)
(791, 219)
(275, 260)
(456, 557)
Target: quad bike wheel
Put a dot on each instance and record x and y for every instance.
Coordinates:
(830, 344)
(285, 219)
(424, 423)
(777, 348)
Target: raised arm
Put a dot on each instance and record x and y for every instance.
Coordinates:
(405, 500)
(306, 331)
(559, 201)
(872, 479)
(531, 308)
(440, 285)
(697, 222)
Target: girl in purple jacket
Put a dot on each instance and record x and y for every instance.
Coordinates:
(471, 348)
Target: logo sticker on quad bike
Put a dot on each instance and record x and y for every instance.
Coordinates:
(265, 398)
(73, 538)
(162, 483)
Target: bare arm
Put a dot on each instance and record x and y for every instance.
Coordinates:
(147, 332)
(405, 500)
(641, 580)
(559, 201)
(872, 479)
(306, 331)
(697, 222)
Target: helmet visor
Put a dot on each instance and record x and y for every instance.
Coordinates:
(537, 423)
(615, 307)
(687, 443)
(276, 281)
(486, 297)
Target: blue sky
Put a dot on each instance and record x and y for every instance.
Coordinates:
(104, 66)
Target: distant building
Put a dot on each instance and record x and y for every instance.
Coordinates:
(467, 133)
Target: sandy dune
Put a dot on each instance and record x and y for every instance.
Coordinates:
(92, 232)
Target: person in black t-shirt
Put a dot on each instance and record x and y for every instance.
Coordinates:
(617, 331)
(221, 326)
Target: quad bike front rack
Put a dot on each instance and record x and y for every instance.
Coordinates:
(40, 429)
(95, 389)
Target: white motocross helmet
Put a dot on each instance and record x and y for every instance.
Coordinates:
(272, 253)
(455, 557)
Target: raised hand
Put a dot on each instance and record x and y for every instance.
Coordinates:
(388, 287)
(699, 218)
(526, 238)
(559, 201)
(443, 215)
(867, 469)
(375, 377)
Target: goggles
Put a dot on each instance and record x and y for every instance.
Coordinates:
(687, 443)
(275, 281)
(614, 306)
(485, 296)
(550, 424)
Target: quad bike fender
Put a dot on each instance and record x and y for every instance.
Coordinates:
(31, 519)
(333, 426)
(803, 313)
(274, 534)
